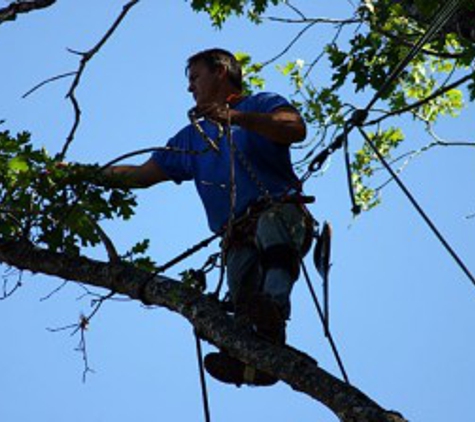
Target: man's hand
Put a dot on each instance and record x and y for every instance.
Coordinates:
(283, 126)
(220, 113)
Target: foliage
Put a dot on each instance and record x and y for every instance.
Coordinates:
(364, 165)
(53, 204)
(251, 73)
(385, 32)
(219, 10)
(137, 256)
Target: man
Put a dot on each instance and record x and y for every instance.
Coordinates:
(251, 195)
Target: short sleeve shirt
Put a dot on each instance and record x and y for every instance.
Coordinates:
(261, 167)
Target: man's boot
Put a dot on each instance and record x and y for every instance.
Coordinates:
(232, 371)
(223, 367)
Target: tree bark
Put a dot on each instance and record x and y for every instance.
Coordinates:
(298, 370)
(10, 12)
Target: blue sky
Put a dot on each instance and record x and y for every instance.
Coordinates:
(402, 311)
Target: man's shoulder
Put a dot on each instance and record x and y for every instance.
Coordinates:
(266, 100)
(264, 95)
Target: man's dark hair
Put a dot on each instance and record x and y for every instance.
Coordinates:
(216, 58)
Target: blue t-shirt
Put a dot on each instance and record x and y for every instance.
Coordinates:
(256, 158)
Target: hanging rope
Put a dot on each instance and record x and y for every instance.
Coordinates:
(359, 116)
(321, 315)
(441, 18)
(204, 390)
(419, 209)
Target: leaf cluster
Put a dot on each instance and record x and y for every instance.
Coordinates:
(137, 256)
(53, 204)
(220, 10)
(364, 165)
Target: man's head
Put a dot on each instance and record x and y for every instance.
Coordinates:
(212, 71)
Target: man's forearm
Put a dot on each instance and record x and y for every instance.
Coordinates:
(283, 127)
(131, 176)
(123, 176)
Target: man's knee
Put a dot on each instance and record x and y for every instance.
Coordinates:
(281, 256)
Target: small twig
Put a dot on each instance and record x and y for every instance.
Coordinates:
(9, 292)
(82, 348)
(315, 20)
(411, 155)
(410, 44)
(82, 326)
(47, 81)
(56, 290)
(322, 54)
(295, 9)
(309, 23)
(71, 95)
(289, 45)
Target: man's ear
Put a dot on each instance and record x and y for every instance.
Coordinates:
(222, 72)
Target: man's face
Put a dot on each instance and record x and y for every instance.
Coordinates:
(204, 84)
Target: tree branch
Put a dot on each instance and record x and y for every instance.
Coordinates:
(47, 81)
(407, 43)
(82, 65)
(420, 103)
(10, 12)
(295, 368)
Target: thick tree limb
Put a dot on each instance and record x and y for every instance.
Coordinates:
(295, 368)
(10, 12)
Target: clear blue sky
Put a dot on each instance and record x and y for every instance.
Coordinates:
(402, 311)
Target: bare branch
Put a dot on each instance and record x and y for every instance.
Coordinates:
(53, 292)
(289, 46)
(47, 81)
(295, 9)
(309, 23)
(411, 155)
(82, 65)
(82, 347)
(407, 43)
(7, 290)
(314, 21)
(81, 327)
(11, 12)
(322, 53)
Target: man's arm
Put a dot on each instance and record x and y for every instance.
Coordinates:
(136, 176)
(283, 125)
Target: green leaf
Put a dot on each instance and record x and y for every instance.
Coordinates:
(18, 164)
